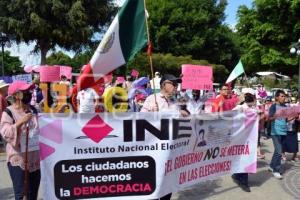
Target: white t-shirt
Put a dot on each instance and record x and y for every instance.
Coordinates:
(86, 100)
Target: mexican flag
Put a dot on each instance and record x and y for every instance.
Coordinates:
(125, 37)
(236, 72)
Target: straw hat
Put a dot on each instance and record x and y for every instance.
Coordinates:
(3, 84)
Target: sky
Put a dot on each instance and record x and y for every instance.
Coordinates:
(28, 58)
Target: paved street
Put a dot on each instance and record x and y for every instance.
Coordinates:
(263, 185)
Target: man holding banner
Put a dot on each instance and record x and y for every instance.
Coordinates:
(164, 102)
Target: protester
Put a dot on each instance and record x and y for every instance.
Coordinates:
(164, 101)
(195, 105)
(87, 100)
(278, 131)
(14, 122)
(155, 83)
(290, 141)
(37, 95)
(64, 80)
(128, 82)
(218, 103)
(249, 105)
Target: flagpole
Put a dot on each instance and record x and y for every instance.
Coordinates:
(149, 53)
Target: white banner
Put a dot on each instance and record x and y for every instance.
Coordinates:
(23, 77)
(141, 155)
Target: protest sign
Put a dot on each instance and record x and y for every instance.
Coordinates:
(66, 71)
(197, 77)
(49, 74)
(23, 77)
(141, 155)
(289, 112)
(134, 73)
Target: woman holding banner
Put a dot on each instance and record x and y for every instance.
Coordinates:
(18, 123)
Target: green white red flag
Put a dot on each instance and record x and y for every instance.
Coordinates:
(126, 36)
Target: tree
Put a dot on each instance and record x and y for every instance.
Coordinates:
(69, 24)
(12, 64)
(169, 64)
(60, 58)
(193, 28)
(267, 30)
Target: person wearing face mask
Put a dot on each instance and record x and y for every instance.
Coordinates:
(18, 120)
(249, 104)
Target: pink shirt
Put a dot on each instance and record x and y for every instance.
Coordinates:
(11, 135)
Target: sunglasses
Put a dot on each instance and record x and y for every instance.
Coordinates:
(172, 83)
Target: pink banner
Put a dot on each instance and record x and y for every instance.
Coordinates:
(49, 74)
(197, 77)
(134, 73)
(289, 112)
(66, 71)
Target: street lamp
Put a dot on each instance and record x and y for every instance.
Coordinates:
(3, 40)
(295, 49)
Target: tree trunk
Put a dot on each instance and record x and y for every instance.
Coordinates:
(44, 48)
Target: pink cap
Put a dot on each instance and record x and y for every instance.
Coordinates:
(18, 86)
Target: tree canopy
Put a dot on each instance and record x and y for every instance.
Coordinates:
(12, 64)
(69, 24)
(193, 28)
(267, 30)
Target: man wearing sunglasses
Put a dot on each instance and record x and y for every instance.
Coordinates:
(218, 103)
(165, 100)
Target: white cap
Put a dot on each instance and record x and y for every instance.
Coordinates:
(248, 90)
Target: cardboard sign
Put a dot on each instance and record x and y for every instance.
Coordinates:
(197, 77)
(66, 71)
(134, 73)
(49, 74)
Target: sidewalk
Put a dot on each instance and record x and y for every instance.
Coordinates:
(263, 184)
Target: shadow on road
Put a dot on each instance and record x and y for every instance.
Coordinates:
(7, 193)
(203, 190)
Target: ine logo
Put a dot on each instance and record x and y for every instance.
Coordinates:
(96, 129)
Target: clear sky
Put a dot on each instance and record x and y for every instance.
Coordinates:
(232, 8)
(28, 58)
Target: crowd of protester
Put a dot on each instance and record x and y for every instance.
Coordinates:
(20, 100)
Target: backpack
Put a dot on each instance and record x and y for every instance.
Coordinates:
(8, 111)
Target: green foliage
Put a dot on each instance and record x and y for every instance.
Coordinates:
(68, 24)
(76, 62)
(267, 30)
(193, 28)
(12, 64)
(169, 64)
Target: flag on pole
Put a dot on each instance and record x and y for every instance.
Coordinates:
(237, 71)
(124, 38)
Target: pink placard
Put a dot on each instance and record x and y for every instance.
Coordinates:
(120, 79)
(197, 77)
(66, 71)
(134, 73)
(49, 74)
(289, 112)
